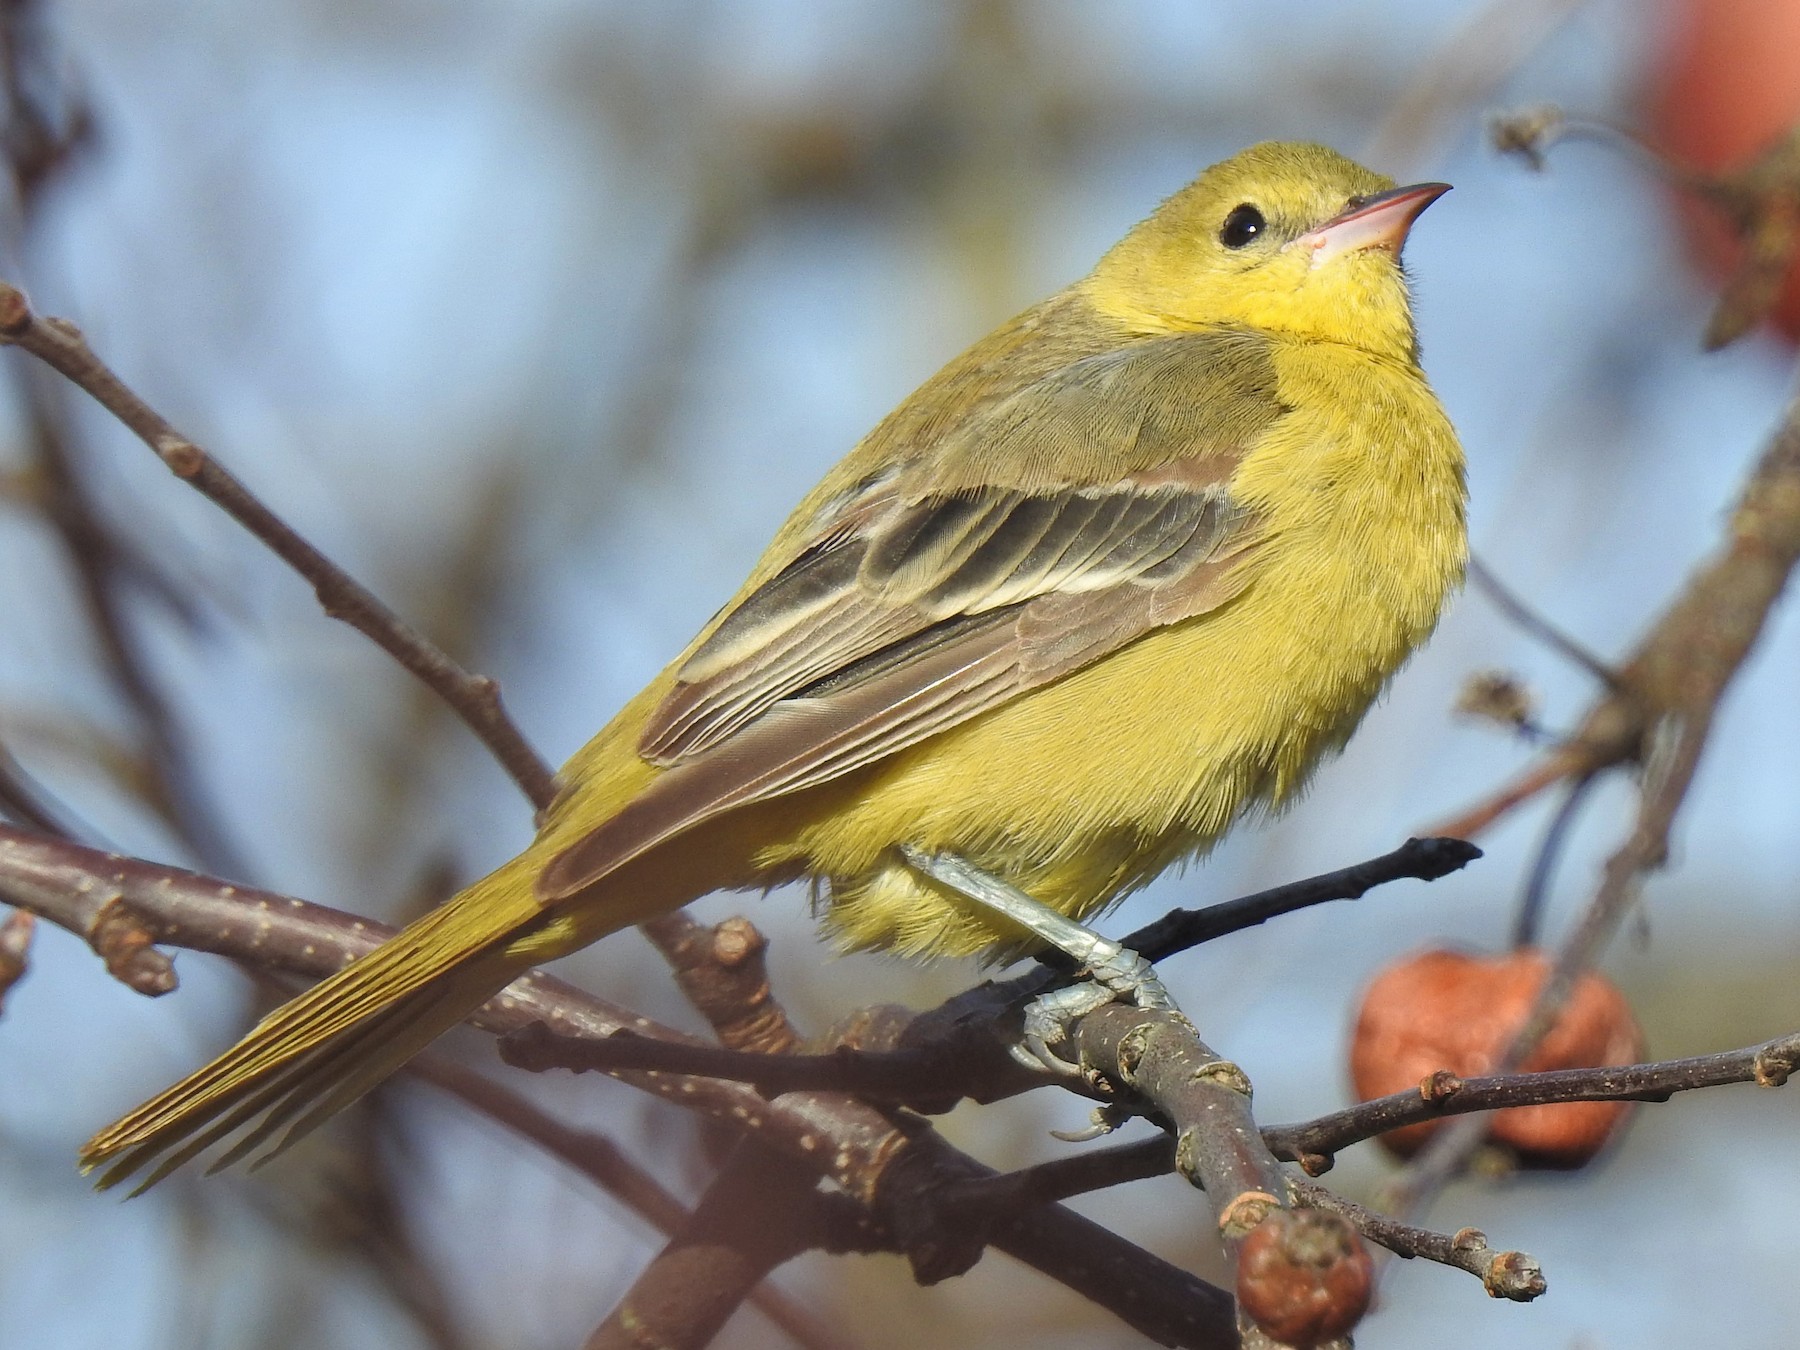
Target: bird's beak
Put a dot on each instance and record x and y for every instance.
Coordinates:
(1378, 221)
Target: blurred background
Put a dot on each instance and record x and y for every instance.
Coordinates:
(539, 316)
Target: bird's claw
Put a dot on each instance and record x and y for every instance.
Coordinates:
(1112, 972)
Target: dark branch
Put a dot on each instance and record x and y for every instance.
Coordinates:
(1417, 859)
(1312, 1143)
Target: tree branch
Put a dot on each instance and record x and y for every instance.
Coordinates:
(895, 1165)
(1444, 1094)
(958, 1049)
(1427, 859)
(60, 345)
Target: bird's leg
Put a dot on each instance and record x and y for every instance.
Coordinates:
(1112, 971)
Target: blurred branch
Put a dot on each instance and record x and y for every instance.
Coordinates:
(1531, 133)
(1760, 200)
(593, 1155)
(44, 125)
(1534, 623)
(21, 799)
(15, 949)
(1528, 919)
(353, 1206)
(1480, 57)
(1679, 671)
(610, 1168)
(60, 345)
(762, 1210)
(163, 774)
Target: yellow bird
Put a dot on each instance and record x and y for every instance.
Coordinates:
(1129, 566)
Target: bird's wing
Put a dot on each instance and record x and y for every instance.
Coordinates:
(915, 610)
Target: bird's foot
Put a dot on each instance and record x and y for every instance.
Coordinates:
(1111, 972)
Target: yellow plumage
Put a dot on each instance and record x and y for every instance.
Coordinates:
(1129, 566)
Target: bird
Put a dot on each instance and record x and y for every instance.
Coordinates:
(1119, 575)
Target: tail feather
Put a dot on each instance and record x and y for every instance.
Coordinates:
(316, 1054)
(327, 1088)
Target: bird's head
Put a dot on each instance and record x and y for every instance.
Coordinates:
(1284, 237)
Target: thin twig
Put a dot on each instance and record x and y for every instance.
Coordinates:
(1531, 133)
(1509, 1275)
(1428, 859)
(1509, 603)
(1537, 885)
(1483, 53)
(1768, 1065)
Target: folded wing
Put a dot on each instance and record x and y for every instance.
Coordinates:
(915, 610)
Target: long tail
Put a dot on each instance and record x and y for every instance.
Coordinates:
(316, 1054)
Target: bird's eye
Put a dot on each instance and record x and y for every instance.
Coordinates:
(1241, 226)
